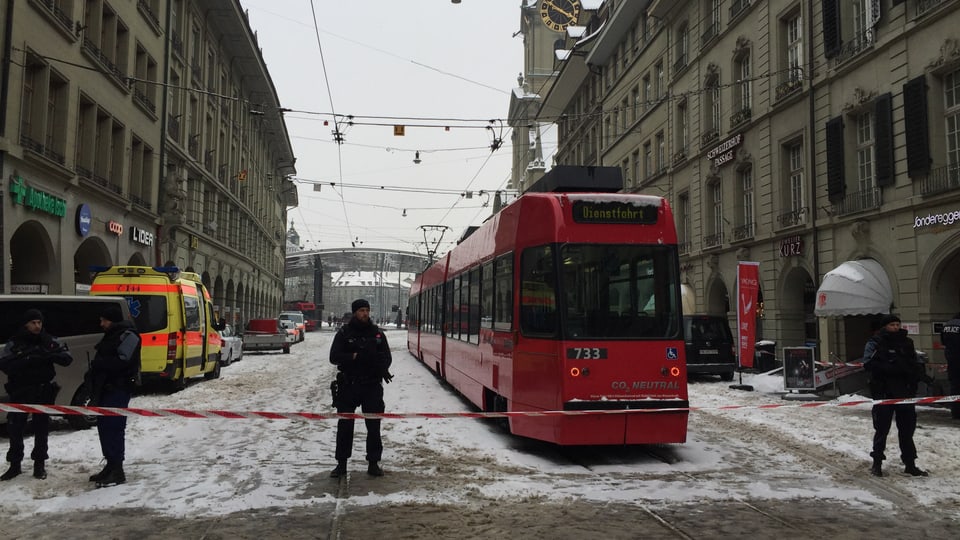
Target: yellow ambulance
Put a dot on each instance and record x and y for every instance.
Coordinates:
(174, 315)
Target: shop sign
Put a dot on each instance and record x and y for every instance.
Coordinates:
(35, 199)
(791, 246)
(723, 152)
(141, 236)
(115, 227)
(194, 241)
(84, 219)
(945, 218)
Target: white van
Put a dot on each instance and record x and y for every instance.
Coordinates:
(74, 320)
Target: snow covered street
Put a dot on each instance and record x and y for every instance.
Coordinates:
(211, 471)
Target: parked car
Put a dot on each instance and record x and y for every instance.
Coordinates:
(709, 345)
(265, 335)
(232, 347)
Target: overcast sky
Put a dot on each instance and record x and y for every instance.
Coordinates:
(423, 62)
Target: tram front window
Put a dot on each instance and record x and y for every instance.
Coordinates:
(619, 291)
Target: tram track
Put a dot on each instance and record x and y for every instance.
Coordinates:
(816, 455)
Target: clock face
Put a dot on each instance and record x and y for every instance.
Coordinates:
(559, 14)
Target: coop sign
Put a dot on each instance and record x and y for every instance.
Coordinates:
(723, 152)
(35, 199)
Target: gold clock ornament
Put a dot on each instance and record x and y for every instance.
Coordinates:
(557, 15)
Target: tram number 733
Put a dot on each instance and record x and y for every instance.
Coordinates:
(587, 353)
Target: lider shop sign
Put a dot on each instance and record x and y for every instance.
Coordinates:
(35, 199)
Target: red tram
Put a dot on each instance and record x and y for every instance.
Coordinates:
(562, 302)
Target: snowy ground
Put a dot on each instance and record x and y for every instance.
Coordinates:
(211, 469)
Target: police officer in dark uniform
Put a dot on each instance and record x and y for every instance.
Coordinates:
(891, 359)
(362, 356)
(112, 379)
(28, 360)
(950, 338)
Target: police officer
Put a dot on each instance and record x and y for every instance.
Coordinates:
(890, 358)
(28, 360)
(362, 356)
(113, 375)
(950, 338)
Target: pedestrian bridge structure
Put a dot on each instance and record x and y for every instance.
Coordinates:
(335, 277)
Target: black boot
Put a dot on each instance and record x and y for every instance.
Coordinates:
(113, 477)
(339, 470)
(374, 470)
(13, 472)
(103, 473)
(913, 470)
(39, 472)
(875, 469)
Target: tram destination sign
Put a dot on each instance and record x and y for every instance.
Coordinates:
(614, 212)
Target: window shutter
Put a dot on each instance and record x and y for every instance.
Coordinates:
(916, 127)
(831, 28)
(883, 139)
(835, 181)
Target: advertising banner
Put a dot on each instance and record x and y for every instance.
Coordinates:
(748, 288)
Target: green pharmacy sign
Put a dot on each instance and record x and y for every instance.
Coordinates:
(36, 199)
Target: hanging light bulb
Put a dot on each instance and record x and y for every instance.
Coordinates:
(404, 213)
(416, 158)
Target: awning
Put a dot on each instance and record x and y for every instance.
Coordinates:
(854, 288)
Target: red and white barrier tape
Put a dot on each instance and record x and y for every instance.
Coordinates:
(233, 415)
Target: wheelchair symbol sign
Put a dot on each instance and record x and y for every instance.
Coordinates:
(672, 353)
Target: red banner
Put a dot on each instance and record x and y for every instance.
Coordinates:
(748, 288)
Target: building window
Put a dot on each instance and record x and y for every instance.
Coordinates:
(711, 21)
(647, 92)
(661, 86)
(625, 170)
(661, 152)
(951, 102)
(647, 161)
(744, 84)
(794, 204)
(682, 48)
(746, 210)
(711, 107)
(865, 170)
(683, 123)
(634, 114)
(624, 107)
(792, 43)
(43, 110)
(684, 231)
(635, 171)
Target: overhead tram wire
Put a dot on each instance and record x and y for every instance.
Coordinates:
(337, 134)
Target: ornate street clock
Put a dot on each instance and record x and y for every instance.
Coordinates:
(559, 14)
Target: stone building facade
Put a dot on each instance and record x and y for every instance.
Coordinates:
(141, 132)
(804, 135)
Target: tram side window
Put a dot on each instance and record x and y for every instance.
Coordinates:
(450, 293)
(503, 293)
(473, 326)
(486, 296)
(538, 302)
